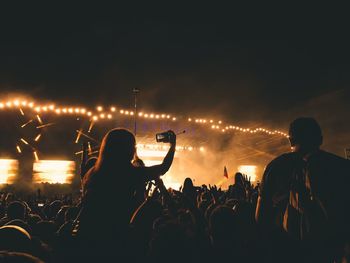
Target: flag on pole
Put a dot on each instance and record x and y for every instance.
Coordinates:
(225, 172)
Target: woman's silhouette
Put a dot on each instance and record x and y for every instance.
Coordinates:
(108, 188)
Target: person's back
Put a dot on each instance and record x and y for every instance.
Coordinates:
(328, 177)
(108, 193)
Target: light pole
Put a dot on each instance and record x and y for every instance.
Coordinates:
(135, 92)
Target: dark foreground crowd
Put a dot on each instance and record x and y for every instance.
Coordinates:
(299, 213)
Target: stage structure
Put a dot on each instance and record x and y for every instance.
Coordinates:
(41, 142)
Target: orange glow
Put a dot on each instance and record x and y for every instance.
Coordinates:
(249, 170)
(53, 171)
(8, 170)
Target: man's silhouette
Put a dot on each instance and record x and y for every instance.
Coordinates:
(328, 177)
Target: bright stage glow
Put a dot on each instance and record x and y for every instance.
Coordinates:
(53, 171)
(167, 178)
(214, 124)
(8, 170)
(249, 170)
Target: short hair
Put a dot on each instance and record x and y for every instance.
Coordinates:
(305, 131)
(16, 210)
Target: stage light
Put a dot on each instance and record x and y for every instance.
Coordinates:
(37, 138)
(152, 116)
(163, 116)
(131, 113)
(39, 119)
(113, 109)
(249, 170)
(2, 105)
(201, 149)
(99, 108)
(102, 116)
(52, 107)
(64, 110)
(89, 113)
(109, 116)
(53, 171)
(157, 116)
(121, 111)
(168, 116)
(24, 103)
(24, 141)
(58, 111)
(31, 104)
(77, 110)
(8, 170)
(174, 119)
(36, 157)
(140, 114)
(18, 149)
(95, 118)
(44, 108)
(189, 119)
(16, 103)
(70, 110)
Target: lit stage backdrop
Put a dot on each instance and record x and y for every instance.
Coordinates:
(41, 142)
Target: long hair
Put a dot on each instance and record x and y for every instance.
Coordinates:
(117, 148)
(116, 152)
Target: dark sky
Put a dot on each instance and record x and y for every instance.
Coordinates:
(245, 63)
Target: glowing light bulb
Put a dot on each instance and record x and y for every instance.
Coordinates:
(113, 109)
(99, 108)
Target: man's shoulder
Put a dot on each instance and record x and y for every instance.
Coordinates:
(327, 158)
(282, 160)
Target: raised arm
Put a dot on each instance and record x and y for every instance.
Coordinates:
(153, 172)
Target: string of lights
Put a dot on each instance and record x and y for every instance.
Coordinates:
(112, 112)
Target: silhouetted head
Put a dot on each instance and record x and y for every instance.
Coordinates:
(305, 134)
(188, 185)
(6, 256)
(118, 147)
(16, 210)
(239, 178)
(20, 223)
(14, 238)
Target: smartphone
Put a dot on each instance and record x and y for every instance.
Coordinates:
(163, 137)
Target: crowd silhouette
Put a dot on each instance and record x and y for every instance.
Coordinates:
(299, 213)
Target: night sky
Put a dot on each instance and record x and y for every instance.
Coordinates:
(247, 64)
